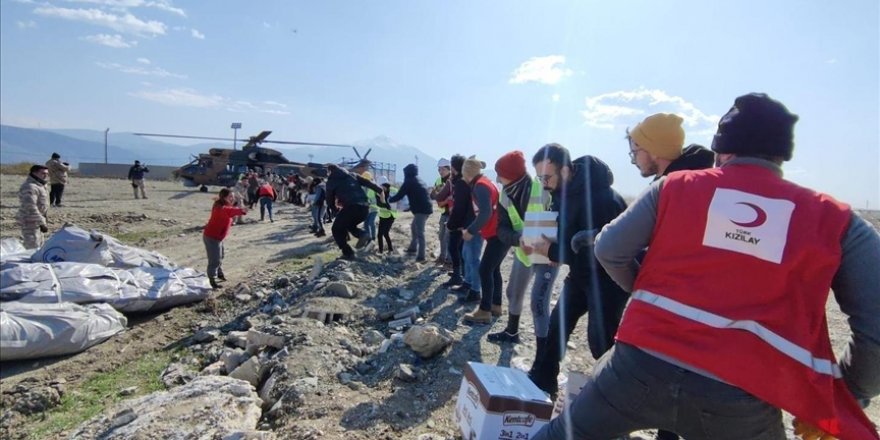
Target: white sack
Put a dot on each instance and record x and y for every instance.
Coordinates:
(29, 331)
(72, 243)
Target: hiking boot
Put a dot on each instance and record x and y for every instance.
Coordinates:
(213, 283)
(472, 297)
(479, 316)
(454, 281)
(496, 310)
(320, 234)
(363, 240)
(462, 288)
(503, 337)
(220, 275)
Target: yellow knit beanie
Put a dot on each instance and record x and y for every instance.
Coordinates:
(471, 168)
(660, 135)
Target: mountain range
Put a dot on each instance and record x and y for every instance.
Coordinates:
(19, 144)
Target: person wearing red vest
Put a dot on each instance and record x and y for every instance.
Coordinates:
(216, 230)
(484, 197)
(727, 320)
(267, 196)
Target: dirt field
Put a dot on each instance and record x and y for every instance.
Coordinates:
(170, 222)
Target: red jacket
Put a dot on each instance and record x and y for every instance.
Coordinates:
(220, 221)
(266, 190)
(735, 283)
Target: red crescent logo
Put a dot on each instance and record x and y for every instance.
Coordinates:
(760, 216)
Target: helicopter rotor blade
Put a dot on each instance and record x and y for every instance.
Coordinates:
(317, 144)
(367, 153)
(182, 136)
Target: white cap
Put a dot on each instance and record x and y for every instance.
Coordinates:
(444, 162)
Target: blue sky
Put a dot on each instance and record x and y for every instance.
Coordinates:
(482, 77)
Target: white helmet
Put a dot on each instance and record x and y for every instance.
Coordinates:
(443, 162)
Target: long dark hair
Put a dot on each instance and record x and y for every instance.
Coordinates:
(221, 197)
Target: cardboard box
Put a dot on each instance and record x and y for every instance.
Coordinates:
(499, 403)
(536, 224)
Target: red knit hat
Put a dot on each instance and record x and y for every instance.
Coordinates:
(511, 166)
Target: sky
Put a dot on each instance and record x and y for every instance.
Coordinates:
(456, 76)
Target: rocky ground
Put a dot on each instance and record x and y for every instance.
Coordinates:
(311, 334)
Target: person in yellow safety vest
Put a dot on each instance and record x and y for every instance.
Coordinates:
(370, 222)
(387, 215)
(442, 194)
(522, 194)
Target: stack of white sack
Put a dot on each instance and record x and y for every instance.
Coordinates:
(139, 289)
(29, 331)
(72, 243)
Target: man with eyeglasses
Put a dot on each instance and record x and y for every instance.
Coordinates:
(582, 195)
(655, 147)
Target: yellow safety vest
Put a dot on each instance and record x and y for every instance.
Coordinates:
(536, 204)
(385, 212)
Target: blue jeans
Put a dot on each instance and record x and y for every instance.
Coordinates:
(370, 224)
(318, 218)
(632, 390)
(470, 253)
(417, 240)
(265, 203)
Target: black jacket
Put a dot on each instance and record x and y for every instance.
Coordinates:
(415, 191)
(519, 192)
(462, 213)
(693, 157)
(591, 181)
(346, 187)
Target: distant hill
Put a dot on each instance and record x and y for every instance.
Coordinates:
(77, 145)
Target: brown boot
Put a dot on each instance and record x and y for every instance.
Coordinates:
(496, 310)
(479, 316)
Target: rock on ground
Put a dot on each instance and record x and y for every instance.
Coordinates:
(208, 407)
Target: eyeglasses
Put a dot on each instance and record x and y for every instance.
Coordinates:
(633, 153)
(544, 178)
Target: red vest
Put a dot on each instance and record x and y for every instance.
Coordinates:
(489, 230)
(735, 282)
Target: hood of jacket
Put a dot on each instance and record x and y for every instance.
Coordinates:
(589, 172)
(411, 170)
(693, 157)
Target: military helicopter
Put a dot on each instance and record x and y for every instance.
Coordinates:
(223, 166)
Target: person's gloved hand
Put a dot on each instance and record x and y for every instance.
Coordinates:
(583, 239)
(44, 228)
(807, 431)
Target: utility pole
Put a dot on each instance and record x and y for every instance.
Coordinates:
(105, 145)
(235, 126)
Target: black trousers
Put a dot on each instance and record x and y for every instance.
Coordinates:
(490, 273)
(455, 242)
(385, 232)
(55, 192)
(605, 301)
(347, 221)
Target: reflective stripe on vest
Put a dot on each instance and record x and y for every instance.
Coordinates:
(536, 204)
(784, 346)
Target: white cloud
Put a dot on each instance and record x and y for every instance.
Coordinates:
(143, 60)
(125, 23)
(542, 70)
(26, 24)
(138, 70)
(197, 34)
(184, 97)
(627, 108)
(555, 97)
(115, 41)
(123, 5)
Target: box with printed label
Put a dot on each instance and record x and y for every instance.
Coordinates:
(499, 403)
(535, 225)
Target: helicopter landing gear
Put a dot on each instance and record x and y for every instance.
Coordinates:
(203, 189)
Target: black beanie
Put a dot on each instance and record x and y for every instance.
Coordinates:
(756, 125)
(56, 156)
(457, 162)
